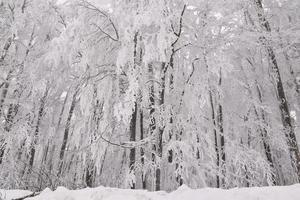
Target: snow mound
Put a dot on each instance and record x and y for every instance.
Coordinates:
(13, 194)
(183, 193)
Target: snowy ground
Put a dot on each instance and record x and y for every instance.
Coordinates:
(183, 193)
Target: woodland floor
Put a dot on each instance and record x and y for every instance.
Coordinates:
(183, 193)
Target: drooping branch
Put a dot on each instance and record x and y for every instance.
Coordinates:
(90, 6)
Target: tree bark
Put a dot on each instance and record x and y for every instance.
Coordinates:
(152, 123)
(261, 116)
(67, 129)
(132, 153)
(37, 126)
(5, 91)
(215, 136)
(142, 150)
(11, 114)
(159, 147)
(53, 147)
(133, 121)
(283, 103)
(221, 135)
(264, 135)
(6, 48)
(218, 131)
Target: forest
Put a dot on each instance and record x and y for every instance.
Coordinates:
(149, 94)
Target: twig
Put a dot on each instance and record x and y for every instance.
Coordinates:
(27, 196)
(90, 6)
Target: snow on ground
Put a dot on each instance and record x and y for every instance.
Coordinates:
(183, 193)
(12, 194)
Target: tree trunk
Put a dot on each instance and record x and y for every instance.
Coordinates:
(218, 134)
(142, 150)
(215, 136)
(6, 48)
(67, 129)
(5, 91)
(283, 104)
(37, 126)
(159, 147)
(2, 100)
(221, 135)
(264, 135)
(133, 139)
(152, 123)
(222, 144)
(89, 171)
(170, 67)
(261, 116)
(133, 121)
(2, 149)
(11, 114)
(53, 147)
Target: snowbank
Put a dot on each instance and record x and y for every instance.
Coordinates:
(13, 194)
(183, 193)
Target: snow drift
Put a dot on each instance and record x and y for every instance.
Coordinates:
(183, 193)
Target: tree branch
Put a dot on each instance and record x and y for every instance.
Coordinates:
(28, 196)
(90, 6)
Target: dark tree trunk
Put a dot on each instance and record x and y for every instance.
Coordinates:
(6, 48)
(217, 130)
(152, 124)
(222, 144)
(159, 147)
(7, 80)
(221, 135)
(170, 67)
(142, 149)
(2, 149)
(90, 172)
(264, 135)
(53, 147)
(261, 117)
(37, 126)
(215, 136)
(11, 114)
(133, 121)
(132, 153)
(5, 91)
(283, 103)
(67, 129)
